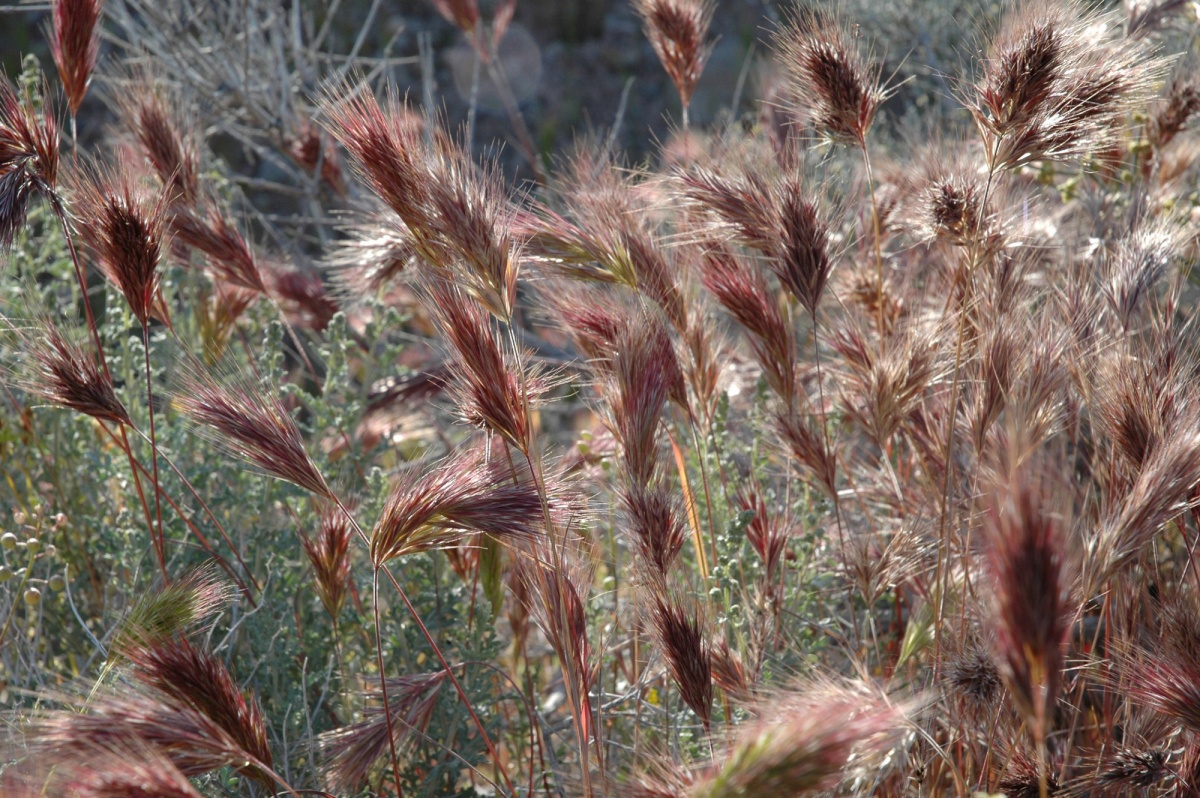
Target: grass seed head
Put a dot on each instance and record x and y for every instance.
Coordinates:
(677, 29)
(827, 75)
(253, 426)
(75, 43)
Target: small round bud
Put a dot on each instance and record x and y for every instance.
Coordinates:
(5, 573)
(33, 597)
(8, 541)
(18, 517)
(34, 545)
(51, 549)
(57, 583)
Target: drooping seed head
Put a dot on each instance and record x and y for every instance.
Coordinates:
(1031, 595)
(252, 426)
(349, 754)
(68, 375)
(226, 250)
(172, 610)
(28, 156)
(195, 678)
(682, 633)
(800, 746)
(464, 494)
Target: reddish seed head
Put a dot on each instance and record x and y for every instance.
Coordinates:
(555, 595)
(828, 77)
(463, 14)
(165, 140)
(492, 390)
(729, 672)
(677, 30)
(805, 263)
(645, 375)
(67, 375)
(741, 289)
(765, 534)
(349, 754)
(225, 249)
(375, 251)
(805, 444)
(125, 771)
(457, 213)
(301, 293)
(1057, 84)
(683, 636)
(1031, 592)
(656, 526)
(1180, 104)
(195, 743)
(195, 678)
(313, 149)
(28, 157)
(252, 426)
(329, 554)
(124, 225)
(385, 146)
(75, 43)
(464, 494)
(801, 745)
(1027, 59)
(1128, 768)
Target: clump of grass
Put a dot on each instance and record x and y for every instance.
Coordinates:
(814, 462)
